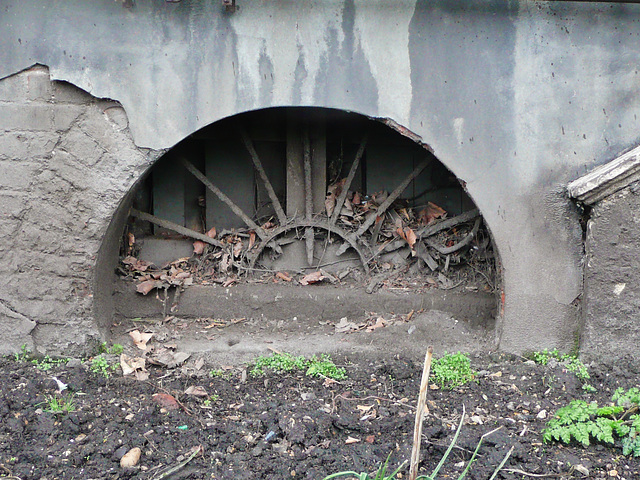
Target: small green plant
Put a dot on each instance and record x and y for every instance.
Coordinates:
(586, 422)
(572, 362)
(100, 366)
(544, 356)
(285, 362)
(381, 473)
(115, 349)
(23, 355)
(221, 373)
(212, 399)
(56, 404)
(452, 370)
(46, 363)
(279, 363)
(324, 367)
(588, 388)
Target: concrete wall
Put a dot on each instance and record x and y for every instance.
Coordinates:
(612, 278)
(516, 98)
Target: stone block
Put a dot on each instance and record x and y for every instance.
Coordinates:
(38, 83)
(13, 88)
(16, 175)
(15, 330)
(65, 115)
(19, 145)
(64, 92)
(12, 204)
(117, 116)
(26, 117)
(82, 146)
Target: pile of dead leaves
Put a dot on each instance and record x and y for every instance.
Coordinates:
(149, 277)
(165, 356)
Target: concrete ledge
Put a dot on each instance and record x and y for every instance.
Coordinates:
(607, 179)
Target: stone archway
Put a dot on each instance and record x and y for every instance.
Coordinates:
(263, 175)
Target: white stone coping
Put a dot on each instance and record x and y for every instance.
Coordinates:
(607, 179)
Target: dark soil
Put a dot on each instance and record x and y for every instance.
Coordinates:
(293, 426)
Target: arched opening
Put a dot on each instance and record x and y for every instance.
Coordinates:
(232, 223)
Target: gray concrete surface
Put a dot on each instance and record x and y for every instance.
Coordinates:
(612, 278)
(301, 320)
(516, 98)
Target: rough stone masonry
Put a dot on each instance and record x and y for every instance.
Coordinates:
(66, 160)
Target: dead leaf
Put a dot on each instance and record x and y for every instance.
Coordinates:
(329, 203)
(196, 391)
(131, 365)
(350, 440)
(140, 339)
(364, 408)
(168, 359)
(229, 281)
(199, 364)
(148, 285)
(380, 323)
(370, 438)
(283, 276)
(212, 233)
(345, 326)
(328, 381)
(225, 263)
(198, 247)
(430, 213)
(165, 401)
(313, 277)
(130, 260)
(237, 249)
(252, 239)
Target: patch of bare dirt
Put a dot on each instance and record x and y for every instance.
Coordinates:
(188, 424)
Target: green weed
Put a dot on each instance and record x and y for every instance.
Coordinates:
(100, 366)
(452, 370)
(23, 355)
(381, 473)
(220, 373)
(115, 349)
(324, 367)
(212, 399)
(46, 363)
(572, 362)
(285, 362)
(57, 404)
(586, 422)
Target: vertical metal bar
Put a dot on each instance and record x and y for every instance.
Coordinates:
(308, 194)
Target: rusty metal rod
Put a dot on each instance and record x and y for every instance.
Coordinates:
(223, 198)
(187, 232)
(248, 143)
(347, 183)
(371, 218)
